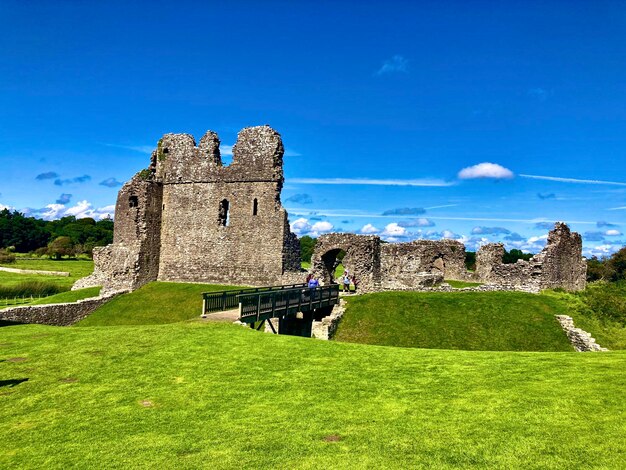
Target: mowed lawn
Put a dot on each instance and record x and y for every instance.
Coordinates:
(197, 395)
(154, 303)
(483, 321)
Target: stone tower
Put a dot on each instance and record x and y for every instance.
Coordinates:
(188, 218)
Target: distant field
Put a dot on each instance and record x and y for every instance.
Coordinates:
(487, 321)
(76, 268)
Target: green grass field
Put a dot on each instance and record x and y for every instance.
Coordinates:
(154, 303)
(491, 321)
(192, 395)
(76, 268)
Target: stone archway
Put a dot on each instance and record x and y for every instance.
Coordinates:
(362, 258)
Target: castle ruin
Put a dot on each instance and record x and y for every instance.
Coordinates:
(188, 218)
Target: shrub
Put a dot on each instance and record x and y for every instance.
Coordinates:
(6, 257)
(606, 300)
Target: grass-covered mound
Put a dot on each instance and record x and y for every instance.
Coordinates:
(486, 321)
(154, 303)
(196, 395)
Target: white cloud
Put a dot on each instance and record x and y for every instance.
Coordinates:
(617, 208)
(612, 233)
(134, 148)
(394, 230)
(600, 251)
(485, 170)
(322, 226)
(396, 64)
(369, 228)
(81, 210)
(302, 227)
(374, 182)
(573, 180)
(3, 207)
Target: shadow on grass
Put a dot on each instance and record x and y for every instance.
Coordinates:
(9, 323)
(11, 382)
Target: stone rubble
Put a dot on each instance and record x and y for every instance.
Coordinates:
(580, 339)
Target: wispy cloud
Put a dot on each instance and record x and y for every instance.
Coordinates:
(365, 215)
(604, 223)
(405, 211)
(419, 222)
(572, 180)
(373, 182)
(64, 198)
(490, 231)
(440, 207)
(540, 94)
(134, 148)
(301, 198)
(617, 208)
(46, 176)
(396, 64)
(110, 183)
(77, 179)
(485, 170)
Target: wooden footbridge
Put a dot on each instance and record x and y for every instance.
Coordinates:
(263, 303)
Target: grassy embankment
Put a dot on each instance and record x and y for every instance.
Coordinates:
(495, 321)
(191, 395)
(154, 303)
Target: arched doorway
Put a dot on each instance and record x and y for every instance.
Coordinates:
(333, 265)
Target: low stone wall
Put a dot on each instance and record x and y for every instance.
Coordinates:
(325, 329)
(55, 314)
(580, 339)
(35, 271)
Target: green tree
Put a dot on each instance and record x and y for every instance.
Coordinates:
(307, 245)
(61, 246)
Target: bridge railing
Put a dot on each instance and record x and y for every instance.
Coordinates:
(228, 299)
(254, 307)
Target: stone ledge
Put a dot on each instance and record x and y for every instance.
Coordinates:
(325, 329)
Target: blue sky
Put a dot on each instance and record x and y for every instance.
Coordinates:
(475, 121)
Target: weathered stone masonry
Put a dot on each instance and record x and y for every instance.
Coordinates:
(188, 218)
(424, 263)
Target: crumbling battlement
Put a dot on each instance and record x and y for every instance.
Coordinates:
(189, 218)
(560, 264)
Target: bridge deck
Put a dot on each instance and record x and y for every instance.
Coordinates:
(261, 303)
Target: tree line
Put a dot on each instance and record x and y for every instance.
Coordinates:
(67, 236)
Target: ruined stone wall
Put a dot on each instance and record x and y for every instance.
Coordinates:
(403, 264)
(132, 260)
(64, 314)
(560, 264)
(188, 218)
(362, 258)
